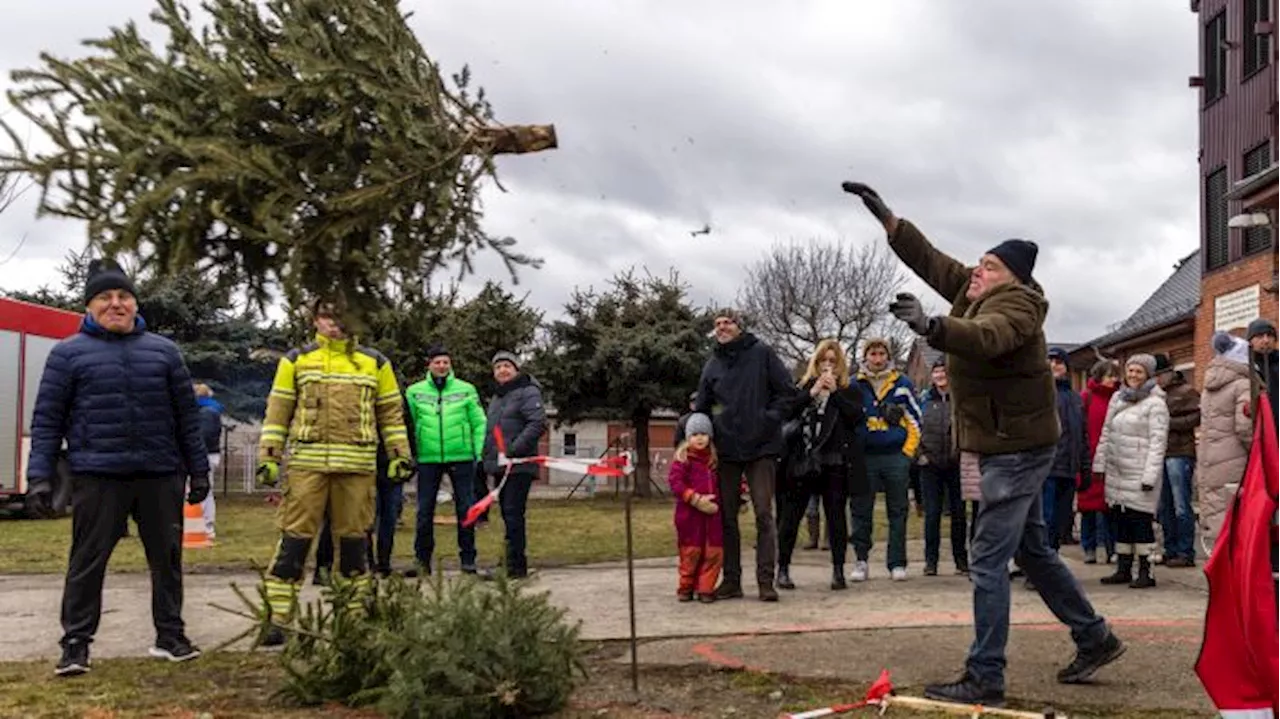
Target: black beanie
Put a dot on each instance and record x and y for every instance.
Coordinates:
(106, 275)
(1019, 256)
(1260, 327)
(437, 350)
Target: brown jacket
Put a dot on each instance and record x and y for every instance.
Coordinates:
(1001, 387)
(1184, 417)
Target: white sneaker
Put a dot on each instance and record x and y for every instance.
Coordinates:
(859, 573)
(899, 574)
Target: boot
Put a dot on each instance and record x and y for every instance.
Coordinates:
(728, 590)
(767, 592)
(815, 528)
(784, 578)
(837, 578)
(1124, 570)
(1144, 579)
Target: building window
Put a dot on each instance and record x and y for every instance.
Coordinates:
(1215, 58)
(1215, 219)
(1257, 239)
(570, 444)
(1257, 48)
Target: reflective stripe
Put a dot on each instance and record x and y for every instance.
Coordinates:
(281, 598)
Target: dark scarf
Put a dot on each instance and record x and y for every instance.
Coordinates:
(1136, 395)
(521, 380)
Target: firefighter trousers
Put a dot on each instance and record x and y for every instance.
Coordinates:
(308, 495)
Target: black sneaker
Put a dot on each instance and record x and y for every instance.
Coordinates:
(74, 661)
(931, 570)
(1083, 667)
(965, 690)
(175, 649)
(469, 569)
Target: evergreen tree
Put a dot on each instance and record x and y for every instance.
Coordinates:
(625, 353)
(311, 145)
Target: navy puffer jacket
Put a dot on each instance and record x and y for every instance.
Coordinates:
(124, 404)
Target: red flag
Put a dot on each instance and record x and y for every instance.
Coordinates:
(1239, 662)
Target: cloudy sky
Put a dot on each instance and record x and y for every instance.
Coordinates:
(1068, 122)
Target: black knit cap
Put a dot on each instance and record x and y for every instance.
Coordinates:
(437, 350)
(1260, 327)
(106, 275)
(1019, 256)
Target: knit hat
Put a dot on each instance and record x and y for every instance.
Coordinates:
(1018, 255)
(436, 350)
(880, 342)
(1261, 327)
(698, 423)
(731, 314)
(1231, 347)
(941, 361)
(1145, 361)
(106, 275)
(505, 356)
(1057, 353)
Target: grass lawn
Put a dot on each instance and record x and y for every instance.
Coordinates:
(560, 532)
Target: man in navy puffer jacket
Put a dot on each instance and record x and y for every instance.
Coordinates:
(122, 399)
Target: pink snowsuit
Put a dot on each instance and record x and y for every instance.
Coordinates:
(699, 537)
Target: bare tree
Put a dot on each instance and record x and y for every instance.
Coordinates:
(804, 292)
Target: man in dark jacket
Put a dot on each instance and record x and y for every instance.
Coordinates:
(940, 475)
(517, 408)
(122, 399)
(1070, 458)
(1266, 358)
(1007, 429)
(1177, 518)
(747, 391)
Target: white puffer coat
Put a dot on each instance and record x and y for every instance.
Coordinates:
(1131, 450)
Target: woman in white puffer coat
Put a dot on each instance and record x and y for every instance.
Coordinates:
(1130, 463)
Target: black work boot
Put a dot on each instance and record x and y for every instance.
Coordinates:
(784, 578)
(1124, 570)
(729, 590)
(1144, 580)
(837, 577)
(1086, 663)
(965, 690)
(767, 592)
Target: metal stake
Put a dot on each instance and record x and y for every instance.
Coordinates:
(631, 598)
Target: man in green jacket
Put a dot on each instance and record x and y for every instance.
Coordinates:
(449, 425)
(1006, 428)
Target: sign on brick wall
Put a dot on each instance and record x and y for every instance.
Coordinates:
(1235, 310)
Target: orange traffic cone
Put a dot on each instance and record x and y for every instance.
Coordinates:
(194, 535)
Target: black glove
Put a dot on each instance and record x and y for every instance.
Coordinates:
(893, 414)
(198, 490)
(37, 498)
(1086, 480)
(869, 198)
(907, 308)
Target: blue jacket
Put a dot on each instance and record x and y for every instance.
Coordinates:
(123, 403)
(1072, 453)
(902, 437)
(211, 423)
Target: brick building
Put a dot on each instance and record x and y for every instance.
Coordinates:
(1238, 190)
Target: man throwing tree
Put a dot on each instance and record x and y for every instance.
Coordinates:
(1005, 422)
(329, 402)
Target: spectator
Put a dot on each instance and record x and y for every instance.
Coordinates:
(746, 390)
(1266, 357)
(1006, 430)
(823, 453)
(1177, 517)
(940, 474)
(211, 430)
(1130, 462)
(892, 437)
(1071, 457)
(122, 399)
(516, 408)
(450, 428)
(1095, 524)
(692, 479)
(1226, 432)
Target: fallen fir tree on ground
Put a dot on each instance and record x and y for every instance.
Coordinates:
(438, 648)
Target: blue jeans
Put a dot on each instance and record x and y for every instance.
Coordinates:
(390, 502)
(1011, 519)
(463, 476)
(1177, 521)
(1058, 519)
(513, 499)
(1095, 531)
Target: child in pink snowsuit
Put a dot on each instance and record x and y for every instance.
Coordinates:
(699, 535)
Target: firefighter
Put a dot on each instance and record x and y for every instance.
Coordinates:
(328, 404)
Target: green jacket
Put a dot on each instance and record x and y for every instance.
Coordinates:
(448, 421)
(1002, 392)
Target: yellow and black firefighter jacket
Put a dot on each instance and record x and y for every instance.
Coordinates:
(328, 404)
